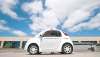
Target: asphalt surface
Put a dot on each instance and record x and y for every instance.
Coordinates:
(22, 53)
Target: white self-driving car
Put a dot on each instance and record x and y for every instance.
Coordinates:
(51, 40)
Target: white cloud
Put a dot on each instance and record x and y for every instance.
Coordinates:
(75, 21)
(66, 7)
(10, 13)
(2, 22)
(19, 33)
(32, 7)
(14, 31)
(94, 23)
(2, 26)
(48, 20)
(75, 18)
(6, 7)
(76, 10)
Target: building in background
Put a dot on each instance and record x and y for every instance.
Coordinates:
(19, 42)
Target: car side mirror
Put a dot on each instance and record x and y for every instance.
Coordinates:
(41, 35)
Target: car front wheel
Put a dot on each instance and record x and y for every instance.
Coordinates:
(33, 49)
(67, 48)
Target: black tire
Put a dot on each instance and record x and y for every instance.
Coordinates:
(33, 49)
(67, 48)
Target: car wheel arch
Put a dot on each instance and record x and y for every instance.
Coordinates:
(33, 44)
(67, 43)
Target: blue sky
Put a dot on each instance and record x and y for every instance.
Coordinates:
(29, 17)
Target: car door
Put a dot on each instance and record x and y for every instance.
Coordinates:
(50, 40)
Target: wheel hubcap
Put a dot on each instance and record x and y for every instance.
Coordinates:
(33, 49)
(67, 49)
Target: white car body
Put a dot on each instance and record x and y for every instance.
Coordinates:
(49, 44)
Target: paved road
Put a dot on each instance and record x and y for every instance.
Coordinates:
(21, 53)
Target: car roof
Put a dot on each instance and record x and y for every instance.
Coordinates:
(51, 29)
(48, 30)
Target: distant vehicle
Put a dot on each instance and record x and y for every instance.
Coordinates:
(51, 40)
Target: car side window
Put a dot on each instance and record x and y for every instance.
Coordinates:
(52, 33)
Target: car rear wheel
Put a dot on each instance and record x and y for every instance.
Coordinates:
(67, 48)
(33, 49)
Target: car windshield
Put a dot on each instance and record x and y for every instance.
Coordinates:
(65, 33)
